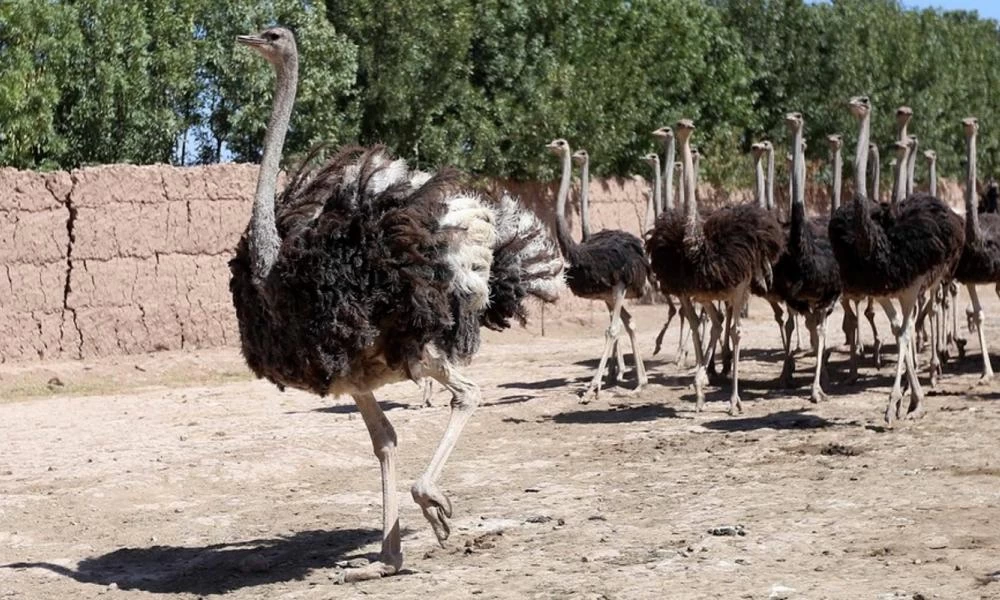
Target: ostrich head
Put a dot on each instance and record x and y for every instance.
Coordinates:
(757, 150)
(767, 146)
(652, 159)
(663, 134)
(793, 121)
(684, 129)
(836, 141)
(276, 44)
(930, 155)
(860, 106)
(912, 142)
(903, 116)
(970, 125)
(559, 147)
(580, 157)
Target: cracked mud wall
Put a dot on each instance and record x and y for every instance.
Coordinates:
(123, 259)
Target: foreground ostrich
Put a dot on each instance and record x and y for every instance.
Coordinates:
(892, 251)
(365, 273)
(806, 276)
(980, 261)
(610, 266)
(711, 258)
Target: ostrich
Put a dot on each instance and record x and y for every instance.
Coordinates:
(711, 258)
(364, 273)
(610, 266)
(980, 261)
(892, 251)
(806, 276)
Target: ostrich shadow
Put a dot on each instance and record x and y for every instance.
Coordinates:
(615, 415)
(217, 568)
(784, 420)
(350, 407)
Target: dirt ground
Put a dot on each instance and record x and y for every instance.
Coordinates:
(176, 475)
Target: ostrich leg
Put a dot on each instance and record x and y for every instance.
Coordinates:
(877, 343)
(384, 443)
(978, 319)
(736, 333)
(779, 317)
(727, 352)
(616, 371)
(904, 361)
(700, 377)
(715, 316)
(680, 358)
(465, 398)
(640, 369)
(788, 368)
(610, 337)
(818, 395)
(671, 311)
(428, 392)
(851, 333)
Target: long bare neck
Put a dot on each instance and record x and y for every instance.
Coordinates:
(681, 196)
(657, 191)
(585, 198)
(861, 158)
(911, 165)
(898, 183)
(972, 232)
(668, 174)
(687, 177)
(770, 179)
(798, 171)
(876, 173)
(932, 177)
(758, 180)
(566, 242)
(838, 167)
(264, 242)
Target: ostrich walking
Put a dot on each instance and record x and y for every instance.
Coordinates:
(365, 273)
(610, 266)
(711, 258)
(980, 261)
(806, 277)
(892, 252)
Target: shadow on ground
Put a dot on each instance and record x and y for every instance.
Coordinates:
(789, 419)
(216, 568)
(616, 414)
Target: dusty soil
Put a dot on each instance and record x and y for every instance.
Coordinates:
(176, 475)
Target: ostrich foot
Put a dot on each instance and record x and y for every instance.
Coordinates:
(788, 369)
(985, 379)
(916, 411)
(681, 359)
(435, 506)
(384, 567)
(894, 406)
(818, 395)
(735, 405)
(428, 393)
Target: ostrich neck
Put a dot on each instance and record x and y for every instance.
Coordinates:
(911, 165)
(770, 179)
(566, 243)
(861, 159)
(876, 174)
(585, 198)
(798, 184)
(691, 229)
(898, 185)
(264, 241)
(932, 178)
(972, 233)
(838, 166)
(657, 192)
(668, 175)
(758, 180)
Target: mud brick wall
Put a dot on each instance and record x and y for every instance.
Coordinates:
(123, 259)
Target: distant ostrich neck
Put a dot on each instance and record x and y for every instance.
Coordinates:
(585, 197)
(770, 176)
(911, 162)
(562, 227)
(683, 132)
(760, 196)
(657, 186)
(931, 172)
(264, 242)
(876, 162)
(898, 172)
(837, 165)
(668, 172)
(972, 232)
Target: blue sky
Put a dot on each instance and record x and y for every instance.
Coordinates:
(987, 8)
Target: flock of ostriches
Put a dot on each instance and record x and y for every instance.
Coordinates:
(364, 272)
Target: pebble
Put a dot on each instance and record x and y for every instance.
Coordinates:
(780, 592)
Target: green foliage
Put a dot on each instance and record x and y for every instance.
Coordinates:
(485, 84)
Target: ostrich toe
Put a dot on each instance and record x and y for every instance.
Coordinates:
(435, 506)
(735, 405)
(384, 567)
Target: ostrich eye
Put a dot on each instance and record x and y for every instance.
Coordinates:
(270, 36)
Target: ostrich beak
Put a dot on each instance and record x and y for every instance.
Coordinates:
(251, 40)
